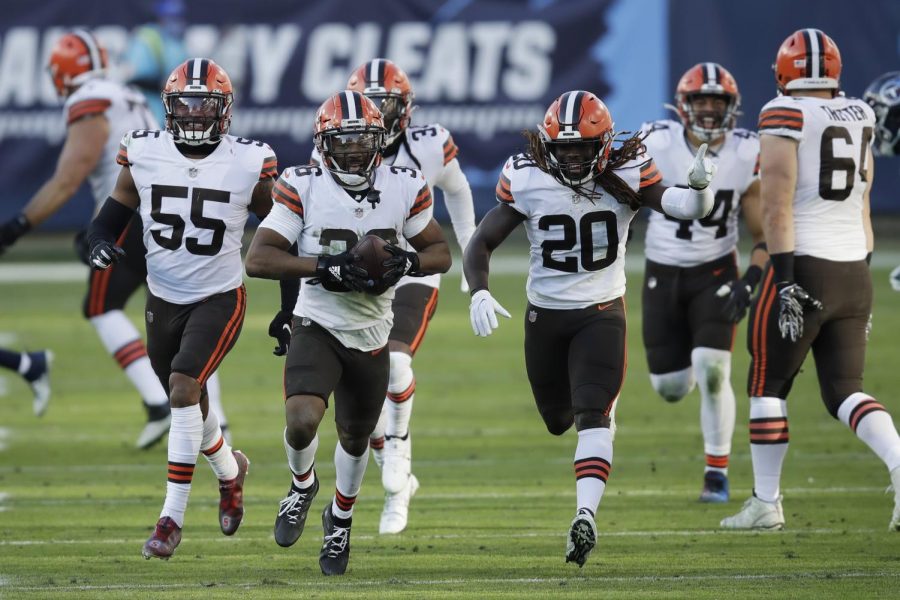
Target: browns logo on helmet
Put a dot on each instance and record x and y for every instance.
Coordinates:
(386, 84)
(883, 95)
(349, 135)
(75, 58)
(808, 60)
(198, 97)
(577, 135)
(707, 100)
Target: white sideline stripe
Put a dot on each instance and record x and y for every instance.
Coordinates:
(464, 536)
(790, 576)
(675, 493)
(65, 272)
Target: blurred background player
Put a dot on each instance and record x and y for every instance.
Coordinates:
(34, 367)
(688, 327)
(577, 197)
(883, 95)
(154, 50)
(98, 113)
(340, 332)
(193, 186)
(816, 176)
(431, 150)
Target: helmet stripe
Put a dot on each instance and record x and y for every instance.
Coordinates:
(372, 73)
(820, 40)
(571, 104)
(812, 52)
(204, 71)
(87, 38)
(712, 73)
(351, 108)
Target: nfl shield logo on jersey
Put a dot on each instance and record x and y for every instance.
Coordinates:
(149, 317)
(192, 172)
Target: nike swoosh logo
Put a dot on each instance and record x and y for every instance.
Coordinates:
(717, 272)
(605, 306)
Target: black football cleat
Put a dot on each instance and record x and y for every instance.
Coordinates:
(292, 514)
(335, 553)
(231, 496)
(164, 540)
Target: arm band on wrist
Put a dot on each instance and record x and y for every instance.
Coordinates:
(760, 246)
(753, 275)
(783, 265)
(110, 222)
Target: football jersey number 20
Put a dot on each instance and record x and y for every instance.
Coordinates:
(198, 196)
(584, 230)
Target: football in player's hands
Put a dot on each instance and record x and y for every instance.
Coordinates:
(371, 255)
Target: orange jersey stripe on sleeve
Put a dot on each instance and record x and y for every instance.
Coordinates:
(503, 190)
(85, 108)
(269, 168)
(122, 156)
(422, 202)
(450, 150)
(650, 175)
(778, 118)
(283, 193)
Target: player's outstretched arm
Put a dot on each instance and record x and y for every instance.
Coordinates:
(695, 202)
(80, 154)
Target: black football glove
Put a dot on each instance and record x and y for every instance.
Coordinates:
(793, 301)
(12, 230)
(339, 268)
(737, 294)
(402, 262)
(104, 254)
(280, 329)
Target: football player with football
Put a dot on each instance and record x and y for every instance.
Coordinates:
(883, 95)
(339, 343)
(193, 186)
(431, 150)
(693, 294)
(577, 196)
(816, 175)
(98, 113)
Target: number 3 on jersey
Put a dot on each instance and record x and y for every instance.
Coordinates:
(571, 234)
(198, 197)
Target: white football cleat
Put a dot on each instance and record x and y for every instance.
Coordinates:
(153, 432)
(757, 514)
(396, 508)
(397, 463)
(41, 387)
(895, 483)
(581, 539)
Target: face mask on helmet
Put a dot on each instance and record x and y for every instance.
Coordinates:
(351, 157)
(196, 119)
(709, 115)
(575, 161)
(393, 110)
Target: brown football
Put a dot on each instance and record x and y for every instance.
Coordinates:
(371, 255)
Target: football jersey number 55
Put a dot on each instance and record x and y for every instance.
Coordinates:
(585, 231)
(198, 197)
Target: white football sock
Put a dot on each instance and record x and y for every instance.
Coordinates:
(873, 425)
(768, 445)
(593, 461)
(401, 391)
(216, 449)
(673, 386)
(712, 370)
(123, 342)
(214, 394)
(302, 462)
(185, 436)
(349, 472)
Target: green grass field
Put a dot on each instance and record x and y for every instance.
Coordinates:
(77, 501)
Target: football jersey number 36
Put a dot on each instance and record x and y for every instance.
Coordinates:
(198, 196)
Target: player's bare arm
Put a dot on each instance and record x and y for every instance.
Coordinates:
(81, 152)
(751, 210)
(261, 200)
(778, 166)
(494, 228)
(867, 212)
(432, 249)
(269, 258)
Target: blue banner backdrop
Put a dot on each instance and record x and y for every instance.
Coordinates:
(485, 70)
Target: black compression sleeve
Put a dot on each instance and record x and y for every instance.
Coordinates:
(110, 222)
(290, 288)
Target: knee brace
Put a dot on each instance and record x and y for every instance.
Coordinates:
(673, 386)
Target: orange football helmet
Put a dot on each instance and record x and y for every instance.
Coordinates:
(808, 60)
(75, 58)
(577, 133)
(388, 86)
(198, 97)
(707, 79)
(349, 135)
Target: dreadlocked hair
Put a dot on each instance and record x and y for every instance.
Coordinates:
(628, 149)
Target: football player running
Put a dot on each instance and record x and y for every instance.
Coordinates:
(883, 95)
(193, 186)
(577, 196)
(816, 175)
(340, 330)
(431, 150)
(98, 113)
(693, 295)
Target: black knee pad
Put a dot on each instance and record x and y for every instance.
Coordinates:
(557, 422)
(591, 419)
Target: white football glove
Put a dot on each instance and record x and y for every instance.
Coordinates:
(483, 311)
(702, 170)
